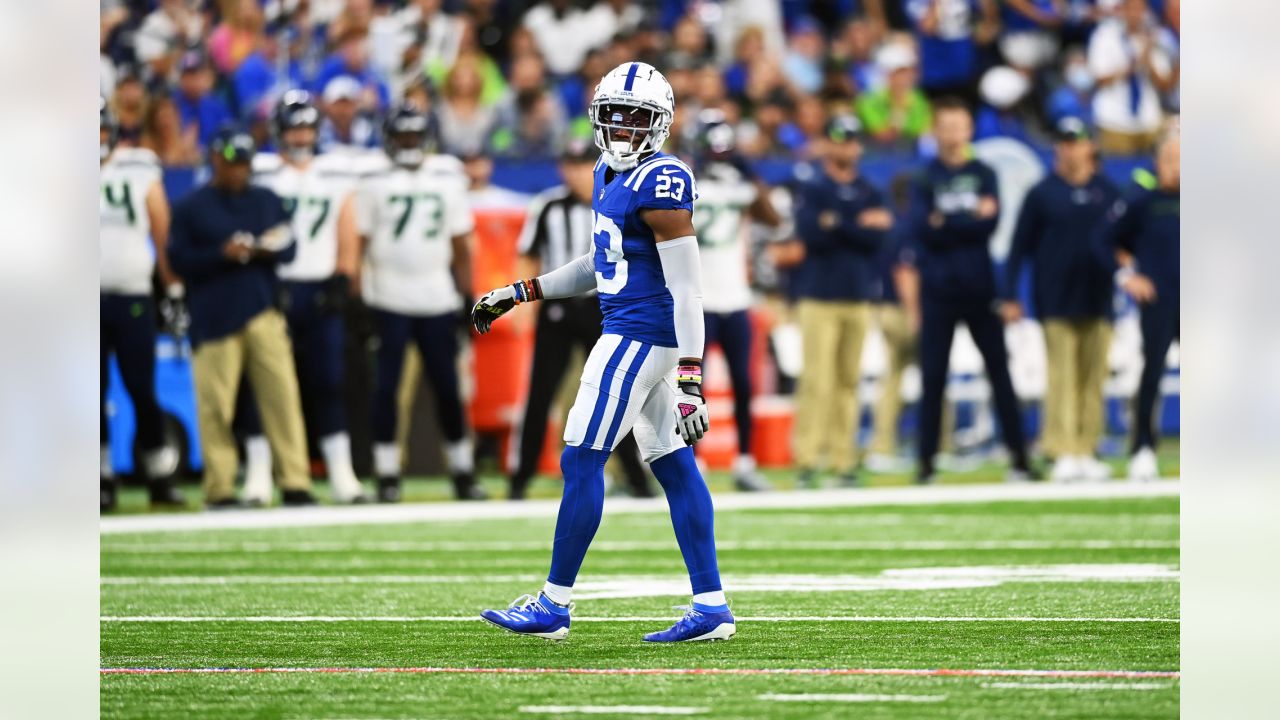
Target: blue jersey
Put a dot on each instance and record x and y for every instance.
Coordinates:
(633, 291)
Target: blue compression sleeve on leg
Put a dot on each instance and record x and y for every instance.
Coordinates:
(580, 510)
(692, 516)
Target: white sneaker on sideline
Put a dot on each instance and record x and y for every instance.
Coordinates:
(1067, 469)
(1094, 470)
(345, 488)
(1143, 466)
(877, 463)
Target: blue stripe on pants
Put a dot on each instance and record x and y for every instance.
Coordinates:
(627, 382)
(602, 395)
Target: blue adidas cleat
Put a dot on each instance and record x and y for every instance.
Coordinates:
(697, 624)
(536, 616)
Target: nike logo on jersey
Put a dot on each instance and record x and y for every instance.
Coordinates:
(668, 171)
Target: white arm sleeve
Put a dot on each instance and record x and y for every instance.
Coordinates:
(683, 270)
(574, 278)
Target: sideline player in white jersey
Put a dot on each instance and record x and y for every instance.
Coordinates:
(645, 372)
(133, 227)
(416, 222)
(729, 195)
(319, 194)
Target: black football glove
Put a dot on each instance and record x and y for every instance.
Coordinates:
(498, 302)
(175, 318)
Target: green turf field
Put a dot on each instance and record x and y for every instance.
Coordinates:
(828, 600)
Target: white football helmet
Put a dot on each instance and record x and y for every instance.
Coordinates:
(631, 112)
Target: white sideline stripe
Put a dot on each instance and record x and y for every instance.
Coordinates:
(631, 618)
(782, 500)
(892, 672)
(849, 697)
(1077, 686)
(612, 709)
(634, 586)
(612, 587)
(312, 579)
(623, 546)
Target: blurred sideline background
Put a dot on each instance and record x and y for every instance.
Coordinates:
(508, 82)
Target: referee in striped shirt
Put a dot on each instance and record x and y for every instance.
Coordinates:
(558, 229)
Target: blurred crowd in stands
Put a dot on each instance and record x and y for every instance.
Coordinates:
(511, 78)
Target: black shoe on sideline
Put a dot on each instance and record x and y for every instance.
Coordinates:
(297, 498)
(807, 479)
(107, 495)
(465, 488)
(388, 489)
(519, 488)
(230, 503)
(164, 494)
(850, 479)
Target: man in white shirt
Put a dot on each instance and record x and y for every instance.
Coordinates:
(563, 34)
(1132, 68)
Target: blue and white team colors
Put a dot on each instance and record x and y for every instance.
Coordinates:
(628, 382)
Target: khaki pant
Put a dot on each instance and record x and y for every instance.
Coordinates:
(900, 346)
(1077, 370)
(1111, 142)
(827, 396)
(262, 351)
(410, 382)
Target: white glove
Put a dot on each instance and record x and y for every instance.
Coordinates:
(276, 239)
(692, 420)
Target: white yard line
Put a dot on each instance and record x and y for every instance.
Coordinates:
(445, 512)
(849, 698)
(603, 587)
(1077, 686)
(313, 579)
(631, 618)
(393, 546)
(612, 710)
(893, 672)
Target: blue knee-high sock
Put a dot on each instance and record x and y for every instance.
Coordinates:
(692, 516)
(580, 510)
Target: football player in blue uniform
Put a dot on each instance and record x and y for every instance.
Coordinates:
(645, 372)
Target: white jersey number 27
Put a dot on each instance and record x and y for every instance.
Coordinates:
(613, 257)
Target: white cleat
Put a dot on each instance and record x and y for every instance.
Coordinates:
(1094, 470)
(345, 489)
(258, 488)
(1067, 469)
(1143, 466)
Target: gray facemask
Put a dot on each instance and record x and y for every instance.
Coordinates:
(300, 154)
(409, 157)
